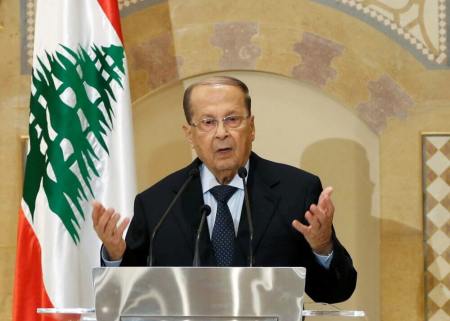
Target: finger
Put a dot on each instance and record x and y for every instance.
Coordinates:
(104, 218)
(122, 226)
(326, 194)
(312, 218)
(304, 229)
(111, 225)
(97, 210)
(324, 216)
(328, 191)
(327, 206)
(329, 212)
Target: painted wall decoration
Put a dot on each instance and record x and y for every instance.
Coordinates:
(317, 54)
(436, 191)
(387, 100)
(235, 40)
(420, 26)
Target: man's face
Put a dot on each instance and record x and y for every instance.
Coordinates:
(223, 150)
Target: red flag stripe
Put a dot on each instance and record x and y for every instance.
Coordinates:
(29, 289)
(111, 10)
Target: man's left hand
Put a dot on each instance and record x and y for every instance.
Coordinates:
(320, 219)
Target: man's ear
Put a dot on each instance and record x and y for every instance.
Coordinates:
(252, 126)
(187, 129)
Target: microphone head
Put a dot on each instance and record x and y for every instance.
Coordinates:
(205, 209)
(242, 172)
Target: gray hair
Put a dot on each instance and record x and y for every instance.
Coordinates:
(213, 81)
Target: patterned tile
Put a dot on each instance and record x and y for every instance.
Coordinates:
(438, 163)
(430, 150)
(439, 189)
(431, 281)
(446, 281)
(439, 295)
(439, 215)
(430, 177)
(438, 141)
(430, 257)
(430, 229)
(436, 166)
(439, 268)
(446, 308)
(446, 176)
(431, 308)
(446, 254)
(446, 202)
(440, 315)
(430, 201)
(446, 149)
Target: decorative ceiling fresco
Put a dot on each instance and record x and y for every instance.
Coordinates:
(419, 26)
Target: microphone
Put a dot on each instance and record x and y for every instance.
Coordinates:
(194, 172)
(205, 210)
(242, 172)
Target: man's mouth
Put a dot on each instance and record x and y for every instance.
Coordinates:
(223, 150)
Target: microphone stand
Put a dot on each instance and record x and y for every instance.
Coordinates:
(193, 173)
(242, 172)
(205, 210)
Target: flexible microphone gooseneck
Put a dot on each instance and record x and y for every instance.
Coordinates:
(242, 172)
(205, 210)
(193, 173)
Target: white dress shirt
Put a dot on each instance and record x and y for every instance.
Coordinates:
(234, 203)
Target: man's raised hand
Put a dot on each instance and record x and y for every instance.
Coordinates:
(105, 225)
(320, 218)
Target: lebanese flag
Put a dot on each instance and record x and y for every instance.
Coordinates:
(80, 149)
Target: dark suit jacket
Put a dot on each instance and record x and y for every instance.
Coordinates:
(278, 194)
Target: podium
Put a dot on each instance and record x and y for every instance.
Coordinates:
(197, 294)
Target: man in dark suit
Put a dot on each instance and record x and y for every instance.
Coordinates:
(292, 216)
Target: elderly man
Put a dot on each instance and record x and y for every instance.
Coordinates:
(292, 216)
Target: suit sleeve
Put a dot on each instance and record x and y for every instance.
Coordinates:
(137, 238)
(337, 283)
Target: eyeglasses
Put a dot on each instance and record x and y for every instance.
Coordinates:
(209, 124)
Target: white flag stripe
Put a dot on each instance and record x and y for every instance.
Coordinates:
(72, 23)
(67, 266)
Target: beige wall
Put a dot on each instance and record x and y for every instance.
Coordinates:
(13, 123)
(160, 147)
(354, 99)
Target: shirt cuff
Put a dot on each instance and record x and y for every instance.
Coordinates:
(324, 260)
(106, 259)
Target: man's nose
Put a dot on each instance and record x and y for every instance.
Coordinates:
(221, 130)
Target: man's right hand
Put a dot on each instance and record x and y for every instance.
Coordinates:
(105, 225)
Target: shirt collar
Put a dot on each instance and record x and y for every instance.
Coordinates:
(209, 180)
